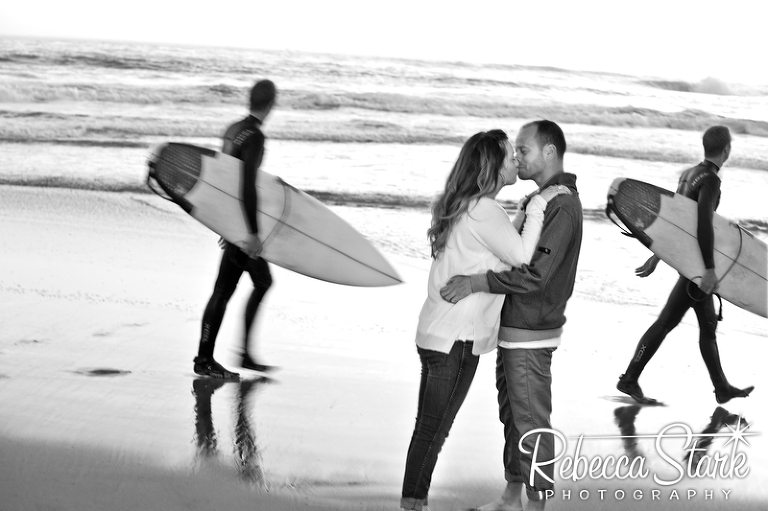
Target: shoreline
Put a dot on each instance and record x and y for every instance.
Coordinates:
(346, 199)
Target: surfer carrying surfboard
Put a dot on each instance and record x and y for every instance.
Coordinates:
(702, 184)
(470, 231)
(532, 319)
(243, 140)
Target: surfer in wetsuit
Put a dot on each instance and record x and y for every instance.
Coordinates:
(243, 140)
(702, 184)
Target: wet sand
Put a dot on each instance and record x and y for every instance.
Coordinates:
(102, 295)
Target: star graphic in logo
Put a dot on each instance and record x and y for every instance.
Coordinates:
(738, 433)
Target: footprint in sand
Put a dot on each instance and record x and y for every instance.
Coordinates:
(102, 372)
(29, 341)
(106, 333)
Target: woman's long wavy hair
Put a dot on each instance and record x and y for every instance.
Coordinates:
(475, 174)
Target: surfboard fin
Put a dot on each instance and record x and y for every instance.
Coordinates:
(154, 185)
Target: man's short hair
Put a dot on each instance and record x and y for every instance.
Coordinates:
(263, 94)
(548, 132)
(715, 140)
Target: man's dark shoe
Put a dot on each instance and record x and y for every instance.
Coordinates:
(730, 392)
(633, 390)
(209, 367)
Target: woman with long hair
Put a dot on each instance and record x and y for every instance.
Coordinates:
(470, 233)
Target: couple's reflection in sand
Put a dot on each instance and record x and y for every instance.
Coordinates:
(625, 416)
(247, 457)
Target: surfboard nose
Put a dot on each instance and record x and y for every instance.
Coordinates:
(388, 274)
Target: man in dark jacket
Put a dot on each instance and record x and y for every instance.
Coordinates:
(243, 140)
(702, 184)
(532, 319)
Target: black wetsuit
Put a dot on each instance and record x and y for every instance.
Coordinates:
(245, 141)
(701, 184)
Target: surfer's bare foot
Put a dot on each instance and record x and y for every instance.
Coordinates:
(726, 394)
(633, 390)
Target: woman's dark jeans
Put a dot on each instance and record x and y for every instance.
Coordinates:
(445, 382)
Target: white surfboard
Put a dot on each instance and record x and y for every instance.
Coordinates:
(666, 223)
(297, 231)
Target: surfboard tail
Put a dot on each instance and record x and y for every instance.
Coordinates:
(636, 204)
(175, 168)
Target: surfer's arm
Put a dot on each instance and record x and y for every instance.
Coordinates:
(705, 233)
(252, 154)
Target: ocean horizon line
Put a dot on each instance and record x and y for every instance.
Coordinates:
(288, 51)
(709, 84)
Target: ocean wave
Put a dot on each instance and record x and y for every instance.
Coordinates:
(16, 57)
(111, 62)
(43, 93)
(709, 85)
(385, 102)
(475, 82)
(81, 142)
(105, 60)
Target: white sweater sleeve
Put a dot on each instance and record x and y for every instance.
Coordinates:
(493, 228)
(534, 221)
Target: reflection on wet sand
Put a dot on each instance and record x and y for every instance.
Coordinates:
(625, 419)
(247, 456)
(720, 418)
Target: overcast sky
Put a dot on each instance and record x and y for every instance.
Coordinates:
(685, 39)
